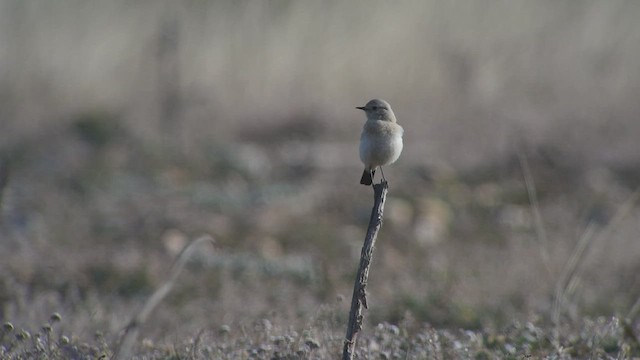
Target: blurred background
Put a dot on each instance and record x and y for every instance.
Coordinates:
(129, 128)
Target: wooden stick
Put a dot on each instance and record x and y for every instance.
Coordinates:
(359, 298)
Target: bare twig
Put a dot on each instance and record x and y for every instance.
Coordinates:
(123, 349)
(359, 298)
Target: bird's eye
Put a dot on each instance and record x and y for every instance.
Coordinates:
(375, 108)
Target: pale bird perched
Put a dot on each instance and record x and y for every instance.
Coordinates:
(381, 139)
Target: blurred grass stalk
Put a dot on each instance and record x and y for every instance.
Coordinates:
(123, 350)
(569, 277)
(543, 240)
(4, 180)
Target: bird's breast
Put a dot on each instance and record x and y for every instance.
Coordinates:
(380, 143)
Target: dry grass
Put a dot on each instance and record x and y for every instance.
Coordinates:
(94, 248)
(602, 338)
(131, 128)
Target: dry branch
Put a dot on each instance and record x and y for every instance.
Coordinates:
(359, 298)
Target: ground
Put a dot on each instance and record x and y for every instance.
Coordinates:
(92, 220)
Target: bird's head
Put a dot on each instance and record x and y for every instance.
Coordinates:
(378, 109)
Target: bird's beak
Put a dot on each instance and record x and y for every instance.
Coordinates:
(360, 107)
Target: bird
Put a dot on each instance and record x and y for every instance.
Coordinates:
(381, 139)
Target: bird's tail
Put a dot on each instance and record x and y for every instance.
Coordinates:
(367, 177)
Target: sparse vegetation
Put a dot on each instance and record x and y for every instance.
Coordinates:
(602, 338)
(129, 128)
